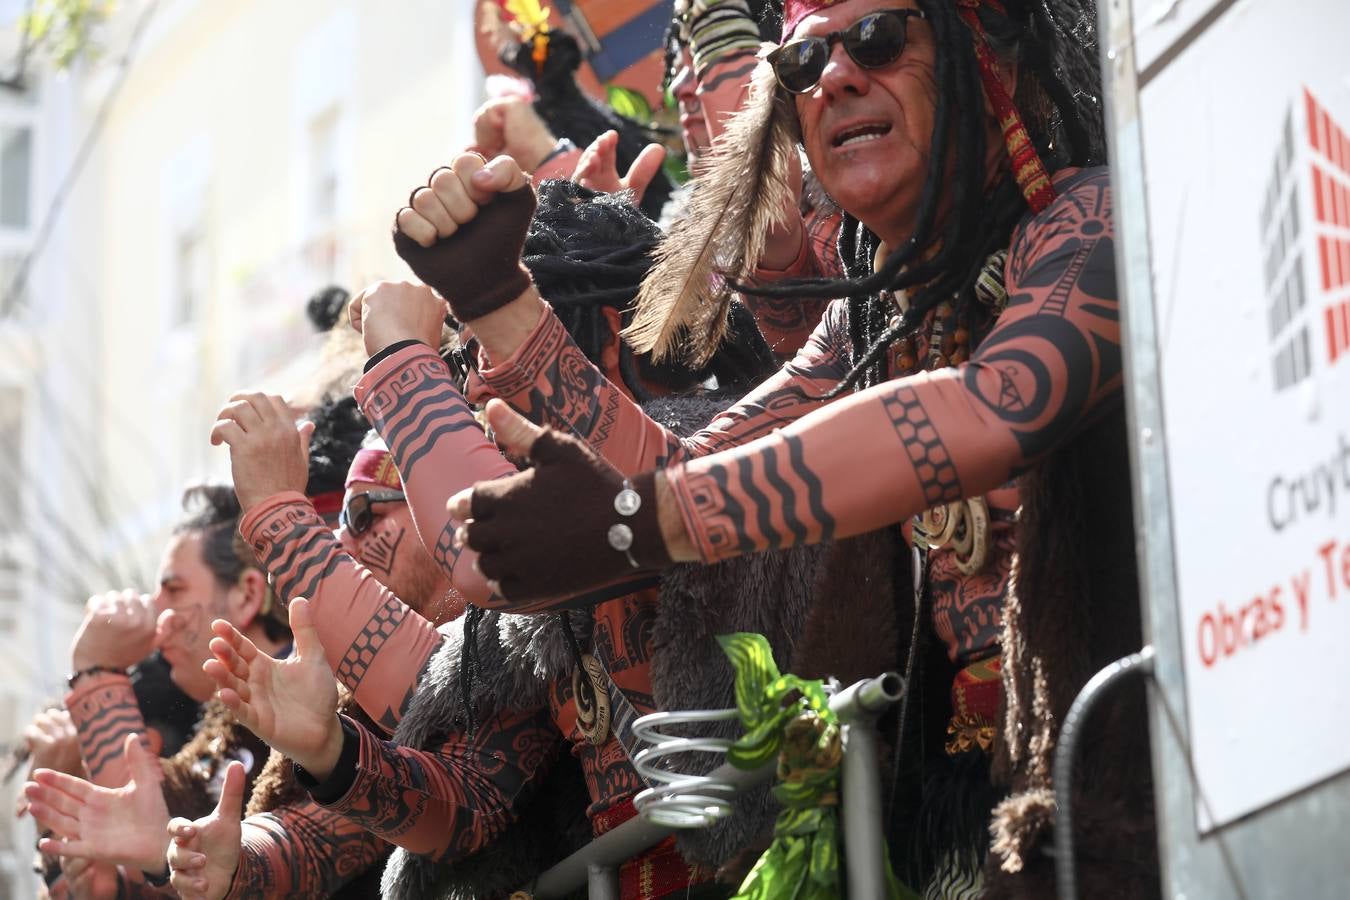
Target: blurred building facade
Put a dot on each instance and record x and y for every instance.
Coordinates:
(243, 155)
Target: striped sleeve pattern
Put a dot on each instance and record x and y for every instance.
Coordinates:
(301, 850)
(103, 708)
(1050, 365)
(439, 448)
(375, 644)
(455, 800)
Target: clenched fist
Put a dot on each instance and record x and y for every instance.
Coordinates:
(463, 233)
(391, 311)
(118, 631)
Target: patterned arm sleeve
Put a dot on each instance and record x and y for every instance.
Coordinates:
(103, 708)
(787, 323)
(375, 644)
(439, 449)
(550, 381)
(456, 800)
(301, 850)
(1050, 364)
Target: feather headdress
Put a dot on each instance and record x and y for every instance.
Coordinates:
(740, 193)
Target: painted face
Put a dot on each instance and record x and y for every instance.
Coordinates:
(189, 588)
(391, 549)
(693, 125)
(867, 131)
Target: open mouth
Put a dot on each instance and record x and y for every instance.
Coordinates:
(861, 134)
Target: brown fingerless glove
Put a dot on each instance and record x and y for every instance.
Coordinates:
(477, 269)
(546, 532)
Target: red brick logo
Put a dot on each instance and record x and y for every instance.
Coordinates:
(1330, 161)
(1307, 260)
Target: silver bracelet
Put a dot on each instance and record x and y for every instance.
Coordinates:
(626, 503)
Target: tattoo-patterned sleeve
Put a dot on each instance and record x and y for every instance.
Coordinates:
(550, 381)
(104, 710)
(787, 323)
(1051, 363)
(301, 849)
(455, 800)
(376, 645)
(439, 449)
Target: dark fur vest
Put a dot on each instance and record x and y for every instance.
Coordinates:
(1073, 608)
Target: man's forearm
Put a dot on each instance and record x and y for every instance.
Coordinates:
(501, 332)
(104, 710)
(673, 531)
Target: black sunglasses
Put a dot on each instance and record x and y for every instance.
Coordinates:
(875, 40)
(357, 516)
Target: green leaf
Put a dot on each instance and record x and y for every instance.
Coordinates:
(629, 103)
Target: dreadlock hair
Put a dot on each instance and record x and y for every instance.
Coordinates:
(339, 429)
(1058, 96)
(589, 252)
(213, 511)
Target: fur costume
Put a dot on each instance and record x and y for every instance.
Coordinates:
(1072, 610)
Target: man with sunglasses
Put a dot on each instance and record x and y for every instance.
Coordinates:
(979, 342)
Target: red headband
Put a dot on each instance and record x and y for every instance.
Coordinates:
(328, 503)
(1026, 164)
(796, 10)
(374, 465)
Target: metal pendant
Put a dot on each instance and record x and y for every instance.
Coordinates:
(590, 691)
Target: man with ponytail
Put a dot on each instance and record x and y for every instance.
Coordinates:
(971, 368)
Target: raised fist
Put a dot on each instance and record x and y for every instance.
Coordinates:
(118, 631)
(463, 233)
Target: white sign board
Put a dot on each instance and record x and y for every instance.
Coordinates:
(1246, 142)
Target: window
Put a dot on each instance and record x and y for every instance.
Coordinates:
(190, 276)
(11, 450)
(10, 264)
(16, 151)
(323, 169)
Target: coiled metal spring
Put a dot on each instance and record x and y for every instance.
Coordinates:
(675, 799)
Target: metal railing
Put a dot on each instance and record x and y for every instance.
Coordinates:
(686, 799)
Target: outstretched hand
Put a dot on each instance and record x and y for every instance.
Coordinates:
(124, 826)
(204, 853)
(598, 168)
(269, 454)
(289, 703)
(463, 233)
